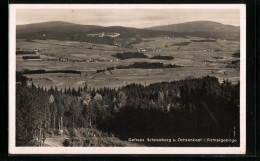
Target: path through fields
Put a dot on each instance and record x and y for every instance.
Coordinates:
(54, 141)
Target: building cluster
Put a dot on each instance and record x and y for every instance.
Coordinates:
(19, 49)
(104, 34)
(149, 49)
(35, 50)
(212, 50)
(169, 38)
(87, 60)
(141, 49)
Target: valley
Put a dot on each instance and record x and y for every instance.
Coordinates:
(196, 56)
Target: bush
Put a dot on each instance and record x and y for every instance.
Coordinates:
(74, 143)
(66, 132)
(75, 133)
(67, 143)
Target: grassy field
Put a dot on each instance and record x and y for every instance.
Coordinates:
(120, 77)
(72, 50)
(196, 58)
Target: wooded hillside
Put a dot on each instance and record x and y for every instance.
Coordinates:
(198, 107)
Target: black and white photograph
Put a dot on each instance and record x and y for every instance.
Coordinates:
(127, 79)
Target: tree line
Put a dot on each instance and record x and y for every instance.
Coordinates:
(162, 57)
(42, 71)
(129, 55)
(141, 65)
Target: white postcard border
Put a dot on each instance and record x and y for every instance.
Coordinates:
(125, 150)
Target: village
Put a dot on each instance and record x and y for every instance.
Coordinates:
(103, 34)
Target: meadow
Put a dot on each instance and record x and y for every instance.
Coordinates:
(196, 59)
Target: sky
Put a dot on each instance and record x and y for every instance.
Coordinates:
(137, 18)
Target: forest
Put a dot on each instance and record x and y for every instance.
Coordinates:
(140, 65)
(162, 57)
(25, 52)
(42, 71)
(31, 57)
(147, 65)
(191, 108)
(129, 55)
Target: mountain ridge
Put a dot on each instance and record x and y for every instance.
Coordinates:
(61, 30)
(197, 26)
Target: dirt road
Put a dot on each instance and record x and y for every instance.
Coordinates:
(54, 142)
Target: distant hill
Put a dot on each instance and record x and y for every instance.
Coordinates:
(90, 33)
(124, 36)
(54, 26)
(197, 26)
(202, 29)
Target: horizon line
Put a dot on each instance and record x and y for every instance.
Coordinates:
(124, 26)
